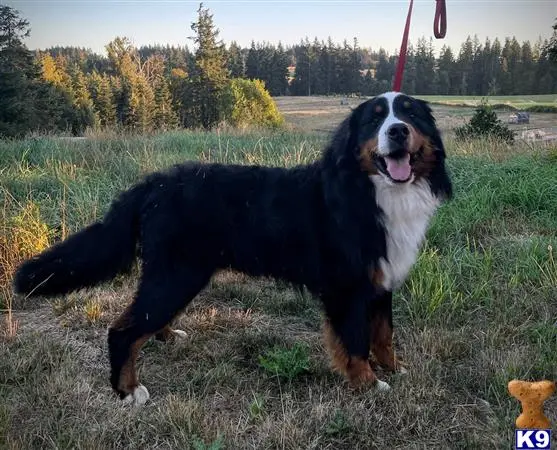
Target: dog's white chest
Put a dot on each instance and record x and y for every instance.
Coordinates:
(407, 211)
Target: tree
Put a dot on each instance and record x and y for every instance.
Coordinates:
(305, 58)
(235, 61)
(464, 63)
(84, 112)
(278, 81)
(210, 76)
(103, 99)
(252, 63)
(447, 73)
(385, 71)
(552, 46)
(135, 99)
(27, 103)
(164, 116)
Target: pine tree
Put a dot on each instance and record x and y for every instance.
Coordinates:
(134, 96)
(447, 72)
(464, 63)
(526, 73)
(385, 71)
(210, 77)
(497, 68)
(301, 85)
(552, 46)
(278, 72)
(103, 99)
(27, 102)
(410, 82)
(252, 63)
(164, 116)
(84, 111)
(235, 61)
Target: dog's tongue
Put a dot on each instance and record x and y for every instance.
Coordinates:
(399, 169)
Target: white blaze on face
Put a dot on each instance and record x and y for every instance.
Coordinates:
(382, 136)
(399, 169)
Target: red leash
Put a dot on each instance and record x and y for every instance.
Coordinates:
(439, 30)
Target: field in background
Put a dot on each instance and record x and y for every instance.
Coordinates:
(323, 113)
(478, 310)
(514, 101)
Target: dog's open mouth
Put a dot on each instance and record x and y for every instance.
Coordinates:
(397, 167)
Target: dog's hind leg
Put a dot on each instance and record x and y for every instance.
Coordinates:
(163, 292)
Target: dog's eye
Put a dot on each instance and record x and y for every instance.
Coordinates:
(407, 104)
(378, 109)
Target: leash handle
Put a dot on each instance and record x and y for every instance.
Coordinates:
(440, 21)
(439, 30)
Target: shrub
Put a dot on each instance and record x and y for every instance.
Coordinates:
(250, 104)
(21, 236)
(541, 108)
(485, 123)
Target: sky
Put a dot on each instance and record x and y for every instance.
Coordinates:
(92, 24)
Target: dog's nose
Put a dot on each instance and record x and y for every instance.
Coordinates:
(398, 133)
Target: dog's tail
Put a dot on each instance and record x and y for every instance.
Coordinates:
(95, 254)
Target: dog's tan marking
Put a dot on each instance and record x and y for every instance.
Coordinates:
(128, 375)
(367, 149)
(357, 371)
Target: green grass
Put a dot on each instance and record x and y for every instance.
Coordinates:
(287, 363)
(513, 101)
(478, 309)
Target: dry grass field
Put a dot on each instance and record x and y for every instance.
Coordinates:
(479, 309)
(323, 113)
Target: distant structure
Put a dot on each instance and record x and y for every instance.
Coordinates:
(519, 117)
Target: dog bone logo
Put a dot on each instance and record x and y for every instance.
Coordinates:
(532, 395)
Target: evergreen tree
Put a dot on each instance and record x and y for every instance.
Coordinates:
(526, 80)
(305, 59)
(164, 116)
(103, 99)
(278, 72)
(27, 103)
(464, 63)
(447, 72)
(385, 71)
(409, 81)
(494, 84)
(180, 91)
(84, 111)
(210, 75)
(235, 61)
(552, 46)
(252, 63)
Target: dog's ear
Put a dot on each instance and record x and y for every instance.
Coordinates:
(439, 178)
(434, 131)
(344, 142)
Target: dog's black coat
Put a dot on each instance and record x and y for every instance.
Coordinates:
(317, 225)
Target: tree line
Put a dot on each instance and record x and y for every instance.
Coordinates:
(142, 90)
(164, 87)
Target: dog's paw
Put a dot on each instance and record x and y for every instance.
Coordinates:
(381, 386)
(180, 334)
(138, 397)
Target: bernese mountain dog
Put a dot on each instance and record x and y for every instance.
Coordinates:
(348, 227)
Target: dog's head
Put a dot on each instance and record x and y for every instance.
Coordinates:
(395, 136)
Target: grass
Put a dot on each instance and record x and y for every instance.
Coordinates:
(513, 101)
(478, 310)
